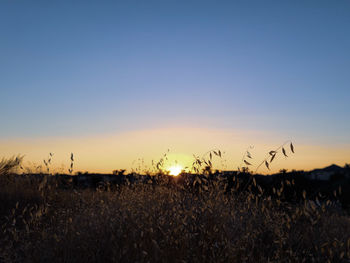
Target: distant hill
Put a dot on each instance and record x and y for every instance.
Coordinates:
(333, 168)
(326, 173)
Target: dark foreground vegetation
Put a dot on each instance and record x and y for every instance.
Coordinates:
(212, 217)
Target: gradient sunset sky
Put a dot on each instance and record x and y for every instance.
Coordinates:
(118, 81)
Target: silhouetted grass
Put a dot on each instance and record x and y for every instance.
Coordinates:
(44, 222)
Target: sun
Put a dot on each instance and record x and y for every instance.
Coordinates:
(175, 170)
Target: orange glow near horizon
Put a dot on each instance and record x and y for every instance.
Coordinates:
(105, 153)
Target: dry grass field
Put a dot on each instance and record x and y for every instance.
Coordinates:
(41, 221)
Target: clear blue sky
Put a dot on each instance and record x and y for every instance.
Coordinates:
(72, 68)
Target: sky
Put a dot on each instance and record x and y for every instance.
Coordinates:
(119, 81)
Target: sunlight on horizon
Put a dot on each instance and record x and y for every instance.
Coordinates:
(175, 170)
(105, 153)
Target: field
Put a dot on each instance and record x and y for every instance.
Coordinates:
(46, 220)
